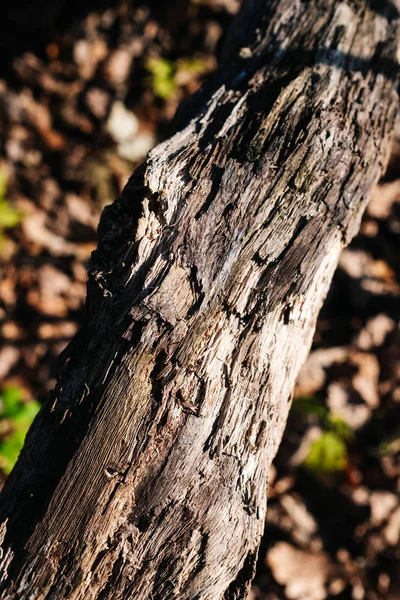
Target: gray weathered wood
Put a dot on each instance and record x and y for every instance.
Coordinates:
(145, 474)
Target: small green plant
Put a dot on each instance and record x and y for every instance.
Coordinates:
(196, 66)
(16, 417)
(166, 76)
(340, 427)
(162, 76)
(329, 453)
(391, 445)
(310, 405)
(9, 217)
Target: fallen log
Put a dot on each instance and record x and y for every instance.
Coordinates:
(145, 473)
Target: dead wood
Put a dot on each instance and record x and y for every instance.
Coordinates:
(145, 474)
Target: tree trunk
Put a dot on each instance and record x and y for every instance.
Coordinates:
(144, 476)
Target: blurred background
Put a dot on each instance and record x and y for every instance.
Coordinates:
(86, 89)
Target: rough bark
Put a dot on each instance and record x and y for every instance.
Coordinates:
(144, 476)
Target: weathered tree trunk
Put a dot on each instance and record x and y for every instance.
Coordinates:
(144, 476)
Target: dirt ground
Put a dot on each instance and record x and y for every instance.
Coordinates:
(84, 94)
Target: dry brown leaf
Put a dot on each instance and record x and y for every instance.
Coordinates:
(304, 575)
(383, 198)
(312, 375)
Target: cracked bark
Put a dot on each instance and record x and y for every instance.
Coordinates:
(144, 475)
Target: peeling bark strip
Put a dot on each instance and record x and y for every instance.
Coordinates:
(144, 476)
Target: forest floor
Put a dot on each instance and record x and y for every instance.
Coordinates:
(79, 109)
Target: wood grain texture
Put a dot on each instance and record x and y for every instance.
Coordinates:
(144, 476)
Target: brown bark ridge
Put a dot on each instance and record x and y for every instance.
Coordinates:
(144, 475)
